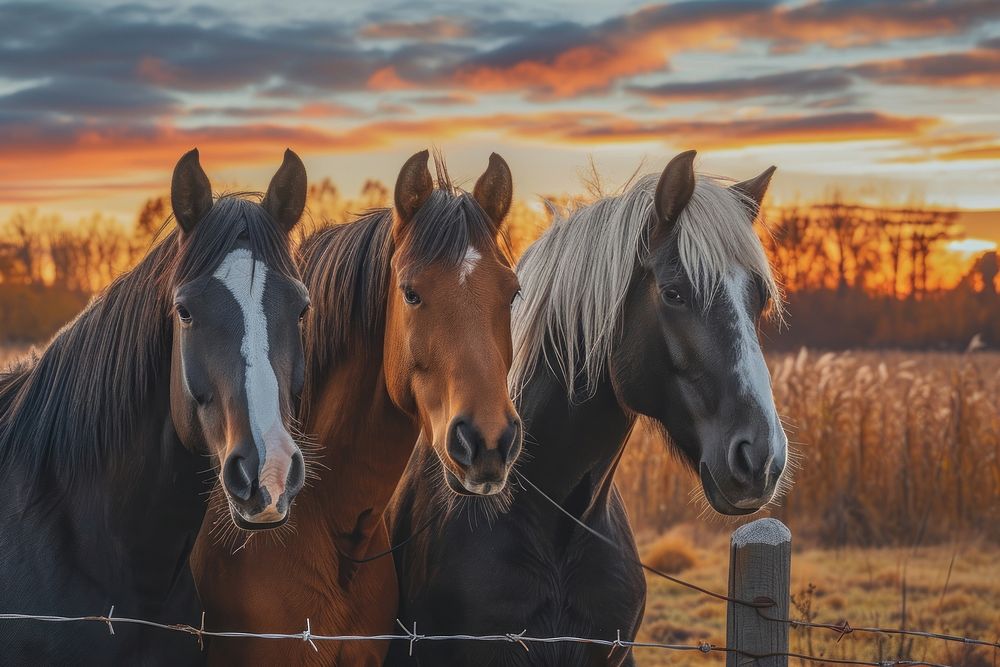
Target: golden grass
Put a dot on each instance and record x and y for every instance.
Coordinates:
(950, 588)
(895, 448)
(896, 498)
(892, 448)
(671, 553)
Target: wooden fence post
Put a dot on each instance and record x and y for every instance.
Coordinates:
(760, 565)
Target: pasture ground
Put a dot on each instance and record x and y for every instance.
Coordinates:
(949, 588)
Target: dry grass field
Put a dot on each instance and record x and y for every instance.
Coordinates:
(895, 510)
(949, 588)
(890, 448)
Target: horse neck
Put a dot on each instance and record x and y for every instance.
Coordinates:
(131, 522)
(163, 503)
(571, 448)
(360, 430)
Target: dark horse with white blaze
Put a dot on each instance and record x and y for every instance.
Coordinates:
(642, 305)
(195, 352)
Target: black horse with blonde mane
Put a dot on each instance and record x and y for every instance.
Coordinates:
(196, 352)
(642, 305)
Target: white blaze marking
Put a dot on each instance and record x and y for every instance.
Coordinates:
(468, 265)
(751, 369)
(245, 278)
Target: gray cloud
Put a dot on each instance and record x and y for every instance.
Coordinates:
(89, 97)
(809, 82)
(966, 69)
(978, 66)
(137, 59)
(544, 43)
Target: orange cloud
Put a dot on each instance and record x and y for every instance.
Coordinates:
(623, 47)
(950, 146)
(578, 70)
(108, 153)
(434, 29)
(972, 69)
(325, 110)
(740, 133)
(566, 61)
(989, 152)
(387, 78)
(446, 99)
(117, 152)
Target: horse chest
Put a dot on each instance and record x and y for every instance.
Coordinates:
(532, 587)
(70, 578)
(524, 581)
(583, 589)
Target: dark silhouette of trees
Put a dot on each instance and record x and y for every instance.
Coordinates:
(854, 275)
(844, 247)
(987, 267)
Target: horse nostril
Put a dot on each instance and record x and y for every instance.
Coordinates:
(239, 475)
(463, 443)
(296, 475)
(748, 461)
(510, 440)
(742, 461)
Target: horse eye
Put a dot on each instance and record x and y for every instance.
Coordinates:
(516, 294)
(411, 297)
(672, 297)
(184, 314)
(764, 297)
(305, 311)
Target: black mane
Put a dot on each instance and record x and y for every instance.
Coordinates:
(82, 400)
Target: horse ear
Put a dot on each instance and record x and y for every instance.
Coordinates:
(494, 190)
(190, 191)
(413, 186)
(674, 189)
(286, 195)
(755, 188)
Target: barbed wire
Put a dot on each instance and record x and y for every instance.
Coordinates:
(843, 628)
(412, 637)
(523, 639)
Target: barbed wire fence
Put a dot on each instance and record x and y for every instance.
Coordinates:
(412, 636)
(757, 617)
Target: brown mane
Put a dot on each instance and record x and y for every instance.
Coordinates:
(347, 268)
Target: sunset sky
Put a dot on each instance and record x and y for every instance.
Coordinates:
(890, 101)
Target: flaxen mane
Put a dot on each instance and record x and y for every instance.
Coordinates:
(575, 278)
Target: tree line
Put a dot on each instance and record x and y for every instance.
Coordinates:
(854, 275)
(863, 276)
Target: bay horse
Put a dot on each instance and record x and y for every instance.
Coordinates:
(410, 333)
(103, 438)
(639, 306)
